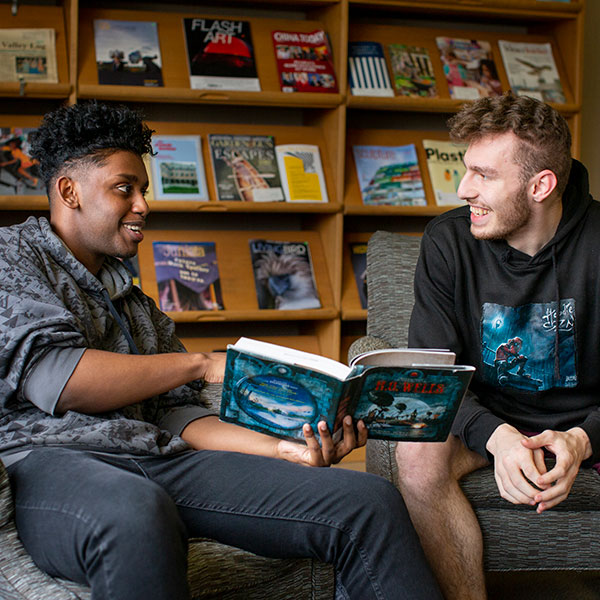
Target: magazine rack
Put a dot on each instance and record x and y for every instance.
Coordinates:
(333, 121)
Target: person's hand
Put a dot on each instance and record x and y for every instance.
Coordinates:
(212, 367)
(570, 448)
(516, 466)
(328, 453)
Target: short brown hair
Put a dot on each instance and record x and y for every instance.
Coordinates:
(545, 139)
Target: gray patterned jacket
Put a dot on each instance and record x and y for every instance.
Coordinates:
(51, 310)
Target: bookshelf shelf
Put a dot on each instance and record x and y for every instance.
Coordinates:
(333, 121)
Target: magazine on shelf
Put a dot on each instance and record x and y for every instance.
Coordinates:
(220, 55)
(389, 175)
(283, 275)
(304, 61)
(412, 71)
(19, 173)
(245, 168)
(178, 168)
(301, 173)
(28, 55)
(469, 68)
(367, 70)
(127, 53)
(400, 394)
(531, 70)
(446, 169)
(187, 276)
(358, 257)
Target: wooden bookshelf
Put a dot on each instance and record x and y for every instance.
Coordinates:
(334, 122)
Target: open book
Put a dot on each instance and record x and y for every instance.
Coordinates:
(401, 394)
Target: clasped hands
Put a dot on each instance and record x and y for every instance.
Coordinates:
(521, 473)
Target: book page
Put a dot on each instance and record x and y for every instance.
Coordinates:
(294, 357)
(404, 357)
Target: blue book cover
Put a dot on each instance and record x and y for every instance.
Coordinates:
(367, 70)
(187, 276)
(276, 390)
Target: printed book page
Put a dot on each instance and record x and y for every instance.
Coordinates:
(294, 357)
(404, 357)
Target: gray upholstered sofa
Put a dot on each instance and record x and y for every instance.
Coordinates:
(516, 538)
(215, 571)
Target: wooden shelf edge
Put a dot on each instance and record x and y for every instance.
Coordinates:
(244, 207)
(354, 314)
(429, 105)
(404, 211)
(23, 203)
(187, 95)
(12, 89)
(316, 314)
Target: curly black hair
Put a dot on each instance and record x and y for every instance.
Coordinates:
(87, 132)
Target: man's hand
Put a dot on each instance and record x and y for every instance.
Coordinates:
(516, 466)
(329, 453)
(570, 448)
(213, 367)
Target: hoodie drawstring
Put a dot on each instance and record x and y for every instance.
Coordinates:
(119, 320)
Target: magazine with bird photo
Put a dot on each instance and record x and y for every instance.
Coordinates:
(283, 275)
(401, 394)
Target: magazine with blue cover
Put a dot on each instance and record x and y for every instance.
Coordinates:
(389, 175)
(400, 394)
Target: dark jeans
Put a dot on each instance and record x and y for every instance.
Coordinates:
(121, 524)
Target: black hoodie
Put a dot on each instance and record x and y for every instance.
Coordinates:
(496, 307)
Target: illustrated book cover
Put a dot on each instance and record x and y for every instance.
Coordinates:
(389, 175)
(283, 275)
(28, 55)
(401, 394)
(301, 173)
(127, 53)
(446, 169)
(220, 55)
(245, 168)
(367, 70)
(304, 61)
(178, 168)
(187, 275)
(531, 70)
(469, 68)
(412, 71)
(358, 257)
(19, 173)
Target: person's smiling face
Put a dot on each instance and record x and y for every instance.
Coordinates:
(110, 210)
(494, 190)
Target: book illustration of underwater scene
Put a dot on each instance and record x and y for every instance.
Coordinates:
(531, 70)
(19, 173)
(389, 175)
(245, 168)
(276, 390)
(304, 61)
(127, 53)
(187, 276)
(358, 257)
(283, 275)
(469, 68)
(178, 168)
(220, 55)
(519, 345)
(367, 70)
(446, 170)
(412, 71)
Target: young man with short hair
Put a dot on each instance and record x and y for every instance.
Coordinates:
(113, 459)
(510, 283)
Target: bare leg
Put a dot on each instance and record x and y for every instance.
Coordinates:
(447, 526)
